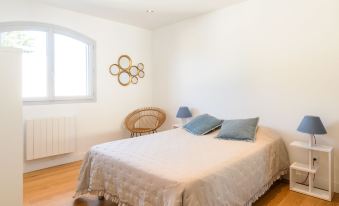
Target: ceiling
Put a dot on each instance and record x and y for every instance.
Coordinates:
(134, 11)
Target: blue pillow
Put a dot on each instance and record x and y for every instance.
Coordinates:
(239, 129)
(202, 124)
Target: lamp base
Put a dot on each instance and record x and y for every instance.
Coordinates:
(183, 121)
(311, 141)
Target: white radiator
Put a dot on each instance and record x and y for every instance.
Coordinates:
(50, 136)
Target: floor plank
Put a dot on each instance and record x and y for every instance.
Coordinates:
(55, 187)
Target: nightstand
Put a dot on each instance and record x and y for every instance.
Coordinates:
(312, 170)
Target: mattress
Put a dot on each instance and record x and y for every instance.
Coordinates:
(176, 168)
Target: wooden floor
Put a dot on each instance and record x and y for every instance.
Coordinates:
(56, 186)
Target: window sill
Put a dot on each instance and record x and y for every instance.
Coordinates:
(60, 101)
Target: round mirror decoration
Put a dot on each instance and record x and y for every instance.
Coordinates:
(124, 78)
(114, 69)
(141, 66)
(125, 62)
(141, 74)
(134, 80)
(126, 72)
(134, 71)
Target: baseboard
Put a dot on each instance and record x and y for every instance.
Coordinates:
(30, 166)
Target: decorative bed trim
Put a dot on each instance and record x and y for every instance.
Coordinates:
(115, 199)
(266, 187)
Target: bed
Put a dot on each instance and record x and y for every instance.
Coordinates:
(176, 168)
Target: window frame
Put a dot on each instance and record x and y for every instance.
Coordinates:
(50, 30)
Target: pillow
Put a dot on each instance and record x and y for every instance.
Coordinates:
(202, 124)
(239, 129)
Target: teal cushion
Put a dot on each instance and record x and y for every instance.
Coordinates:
(203, 124)
(239, 129)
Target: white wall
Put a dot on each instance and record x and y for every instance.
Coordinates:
(276, 59)
(100, 121)
(11, 145)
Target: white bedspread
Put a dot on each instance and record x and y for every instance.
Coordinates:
(176, 168)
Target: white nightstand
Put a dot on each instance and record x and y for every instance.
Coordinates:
(310, 189)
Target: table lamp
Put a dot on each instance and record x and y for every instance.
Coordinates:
(312, 125)
(184, 113)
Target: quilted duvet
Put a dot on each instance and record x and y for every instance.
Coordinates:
(176, 168)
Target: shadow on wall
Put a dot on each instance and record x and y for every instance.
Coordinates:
(333, 139)
(333, 131)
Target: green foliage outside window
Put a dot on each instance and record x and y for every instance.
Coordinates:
(17, 39)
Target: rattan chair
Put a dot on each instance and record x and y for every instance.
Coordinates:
(145, 120)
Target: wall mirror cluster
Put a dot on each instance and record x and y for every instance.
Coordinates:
(126, 72)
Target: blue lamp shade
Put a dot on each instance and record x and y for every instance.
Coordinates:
(184, 112)
(312, 125)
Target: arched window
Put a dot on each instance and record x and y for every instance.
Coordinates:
(58, 64)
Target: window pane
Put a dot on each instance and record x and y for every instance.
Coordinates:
(34, 61)
(70, 67)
